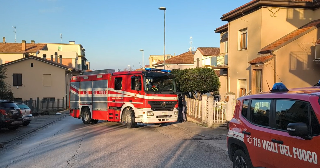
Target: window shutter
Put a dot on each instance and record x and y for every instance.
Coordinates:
(213, 61)
(20, 79)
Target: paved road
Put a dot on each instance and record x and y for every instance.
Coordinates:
(69, 143)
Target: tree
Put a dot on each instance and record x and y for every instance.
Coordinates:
(5, 91)
(197, 80)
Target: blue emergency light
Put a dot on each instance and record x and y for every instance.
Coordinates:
(163, 70)
(279, 87)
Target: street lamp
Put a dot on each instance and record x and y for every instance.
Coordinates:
(142, 58)
(164, 37)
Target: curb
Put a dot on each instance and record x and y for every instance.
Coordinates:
(63, 115)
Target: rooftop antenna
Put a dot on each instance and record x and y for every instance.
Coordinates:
(190, 49)
(15, 33)
(61, 37)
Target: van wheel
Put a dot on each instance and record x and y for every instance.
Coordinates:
(86, 117)
(241, 160)
(128, 118)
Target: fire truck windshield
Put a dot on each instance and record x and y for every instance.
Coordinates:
(159, 84)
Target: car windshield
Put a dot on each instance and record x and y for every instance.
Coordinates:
(22, 106)
(160, 84)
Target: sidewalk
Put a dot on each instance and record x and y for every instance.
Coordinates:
(214, 136)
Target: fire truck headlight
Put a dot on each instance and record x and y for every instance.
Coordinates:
(150, 113)
(175, 112)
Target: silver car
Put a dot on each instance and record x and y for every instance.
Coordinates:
(26, 113)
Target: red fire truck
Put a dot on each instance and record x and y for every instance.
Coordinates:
(129, 97)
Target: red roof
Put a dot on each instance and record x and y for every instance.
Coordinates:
(209, 51)
(261, 60)
(253, 4)
(17, 47)
(184, 58)
(38, 59)
(290, 37)
(221, 29)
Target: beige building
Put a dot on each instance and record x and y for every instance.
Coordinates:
(71, 55)
(154, 59)
(33, 77)
(182, 61)
(271, 41)
(214, 58)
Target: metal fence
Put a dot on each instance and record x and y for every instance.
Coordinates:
(46, 106)
(207, 110)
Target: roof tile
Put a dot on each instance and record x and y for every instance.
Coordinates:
(17, 47)
(262, 59)
(39, 59)
(291, 36)
(222, 28)
(209, 51)
(184, 58)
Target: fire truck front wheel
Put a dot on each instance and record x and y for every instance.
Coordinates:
(128, 118)
(86, 117)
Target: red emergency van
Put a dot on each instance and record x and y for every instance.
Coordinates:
(129, 97)
(276, 129)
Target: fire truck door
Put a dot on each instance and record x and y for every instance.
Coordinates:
(118, 92)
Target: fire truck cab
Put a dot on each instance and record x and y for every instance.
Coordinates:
(129, 97)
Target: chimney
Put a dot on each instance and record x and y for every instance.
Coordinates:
(60, 59)
(44, 56)
(72, 42)
(51, 57)
(56, 57)
(23, 45)
(4, 39)
(32, 41)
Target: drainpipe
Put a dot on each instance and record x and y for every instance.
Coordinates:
(275, 72)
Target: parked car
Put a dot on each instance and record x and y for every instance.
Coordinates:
(276, 129)
(26, 113)
(10, 115)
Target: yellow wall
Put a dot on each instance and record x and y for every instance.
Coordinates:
(294, 62)
(238, 60)
(32, 84)
(263, 28)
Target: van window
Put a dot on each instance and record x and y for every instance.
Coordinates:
(294, 111)
(135, 83)
(118, 83)
(260, 111)
(244, 110)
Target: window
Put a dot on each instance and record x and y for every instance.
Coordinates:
(135, 83)
(31, 65)
(46, 80)
(243, 39)
(214, 61)
(17, 79)
(244, 110)
(259, 111)
(294, 111)
(118, 83)
(258, 84)
(226, 47)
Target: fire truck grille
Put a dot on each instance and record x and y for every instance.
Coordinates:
(162, 105)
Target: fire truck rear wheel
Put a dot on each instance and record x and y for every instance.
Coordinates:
(86, 117)
(128, 118)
